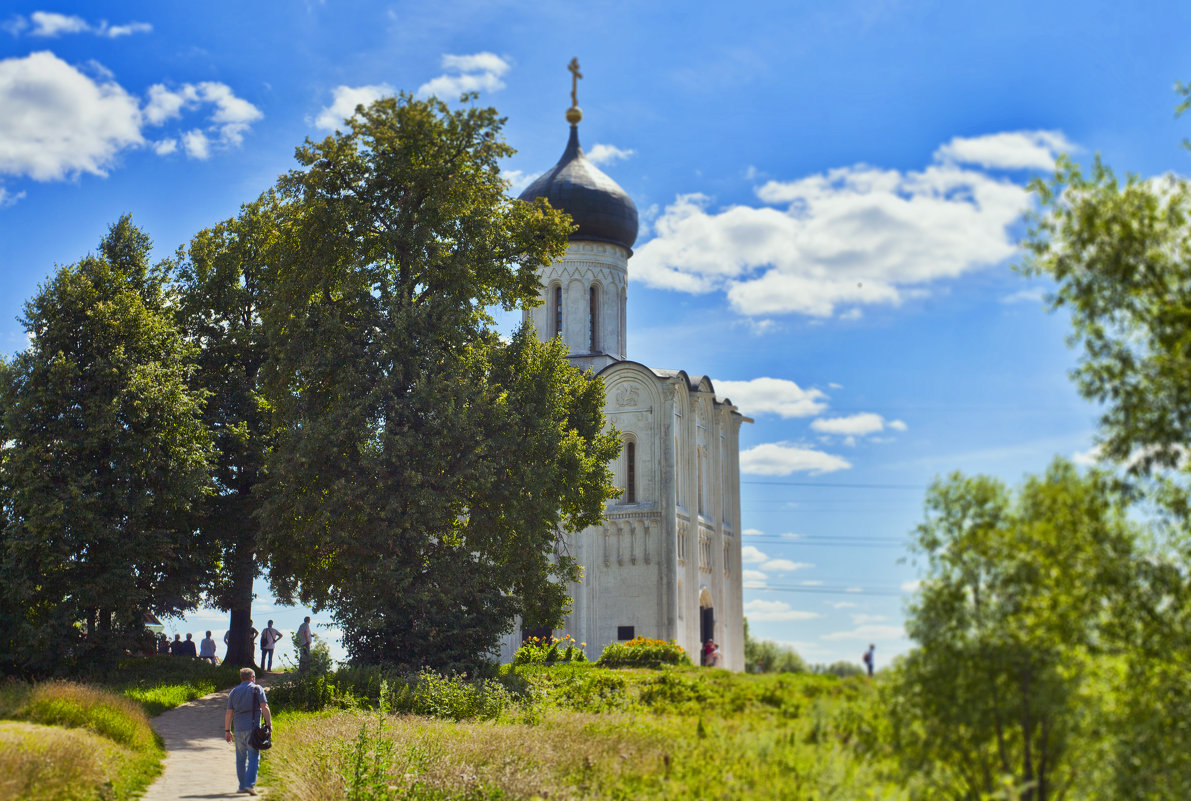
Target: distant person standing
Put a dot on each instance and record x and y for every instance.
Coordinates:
(188, 646)
(305, 638)
(868, 658)
(269, 638)
(176, 646)
(207, 649)
(163, 643)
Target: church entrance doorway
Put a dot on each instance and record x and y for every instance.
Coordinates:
(706, 624)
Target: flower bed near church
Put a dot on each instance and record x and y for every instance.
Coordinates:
(643, 652)
(550, 651)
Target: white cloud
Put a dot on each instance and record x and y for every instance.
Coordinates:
(1031, 150)
(116, 31)
(7, 199)
(847, 238)
(783, 565)
(752, 532)
(842, 604)
(608, 154)
(753, 575)
(196, 144)
(1089, 458)
(772, 395)
(751, 555)
(775, 610)
(812, 583)
(47, 23)
(58, 122)
(852, 425)
(230, 117)
(897, 425)
(480, 72)
(911, 586)
(518, 180)
(783, 458)
(50, 24)
(870, 633)
(854, 589)
(165, 147)
(344, 101)
(861, 619)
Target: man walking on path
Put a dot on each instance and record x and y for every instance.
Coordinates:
(240, 708)
(305, 638)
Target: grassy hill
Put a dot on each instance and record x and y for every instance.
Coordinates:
(575, 731)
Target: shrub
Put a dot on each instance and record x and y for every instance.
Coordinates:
(643, 652)
(550, 651)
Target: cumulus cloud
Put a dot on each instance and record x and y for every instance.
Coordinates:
(850, 237)
(773, 396)
(751, 555)
(775, 610)
(229, 117)
(49, 24)
(608, 154)
(1013, 150)
(752, 532)
(58, 122)
(344, 101)
(911, 586)
(784, 458)
(1036, 295)
(480, 72)
(856, 425)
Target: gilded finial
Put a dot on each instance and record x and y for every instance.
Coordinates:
(574, 114)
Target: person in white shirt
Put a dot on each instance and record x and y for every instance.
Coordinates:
(207, 649)
(269, 638)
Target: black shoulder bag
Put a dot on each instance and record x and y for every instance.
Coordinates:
(261, 737)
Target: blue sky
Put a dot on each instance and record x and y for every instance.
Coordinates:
(830, 196)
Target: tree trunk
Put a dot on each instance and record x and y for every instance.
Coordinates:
(240, 647)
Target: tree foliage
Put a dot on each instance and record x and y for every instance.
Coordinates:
(766, 656)
(424, 469)
(1120, 253)
(1015, 624)
(223, 278)
(104, 456)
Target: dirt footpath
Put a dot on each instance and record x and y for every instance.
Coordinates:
(199, 763)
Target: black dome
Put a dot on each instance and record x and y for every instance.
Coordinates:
(597, 204)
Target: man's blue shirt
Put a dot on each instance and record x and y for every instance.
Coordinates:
(239, 700)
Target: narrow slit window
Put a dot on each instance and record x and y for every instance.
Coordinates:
(630, 490)
(557, 310)
(593, 317)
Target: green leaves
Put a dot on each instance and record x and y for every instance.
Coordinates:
(106, 455)
(423, 470)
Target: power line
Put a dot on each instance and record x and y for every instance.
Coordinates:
(824, 590)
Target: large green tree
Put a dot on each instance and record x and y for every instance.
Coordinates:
(104, 457)
(223, 280)
(1017, 627)
(1119, 251)
(424, 470)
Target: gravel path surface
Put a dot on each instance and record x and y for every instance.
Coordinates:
(199, 763)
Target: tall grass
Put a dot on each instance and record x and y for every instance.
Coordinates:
(74, 741)
(571, 732)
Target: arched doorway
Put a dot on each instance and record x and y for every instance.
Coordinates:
(706, 622)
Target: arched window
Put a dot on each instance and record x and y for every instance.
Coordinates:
(556, 302)
(593, 317)
(630, 472)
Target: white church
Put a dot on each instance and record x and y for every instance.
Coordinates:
(666, 561)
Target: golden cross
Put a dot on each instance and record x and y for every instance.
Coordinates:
(575, 76)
